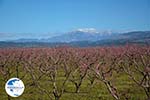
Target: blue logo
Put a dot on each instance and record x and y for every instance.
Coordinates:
(14, 87)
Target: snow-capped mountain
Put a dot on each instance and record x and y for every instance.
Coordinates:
(86, 34)
(83, 38)
(90, 35)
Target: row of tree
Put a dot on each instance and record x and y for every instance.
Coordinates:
(58, 67)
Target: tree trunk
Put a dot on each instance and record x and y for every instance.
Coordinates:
(8, 97)
(147, 93)
(77, 89)
(111, 89)
(57, 97)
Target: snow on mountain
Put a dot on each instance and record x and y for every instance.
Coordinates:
(85, 34)
(82, 34)
(88, 30)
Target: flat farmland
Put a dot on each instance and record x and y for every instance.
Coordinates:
(71, 73)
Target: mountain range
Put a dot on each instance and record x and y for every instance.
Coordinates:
(77, 35)
(84, 38)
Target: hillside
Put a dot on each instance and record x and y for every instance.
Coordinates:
(83, 39)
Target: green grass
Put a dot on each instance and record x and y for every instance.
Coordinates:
(97, 92)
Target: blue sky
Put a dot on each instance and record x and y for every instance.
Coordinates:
(46, 18)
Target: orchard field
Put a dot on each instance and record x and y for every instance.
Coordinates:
(72, 73)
